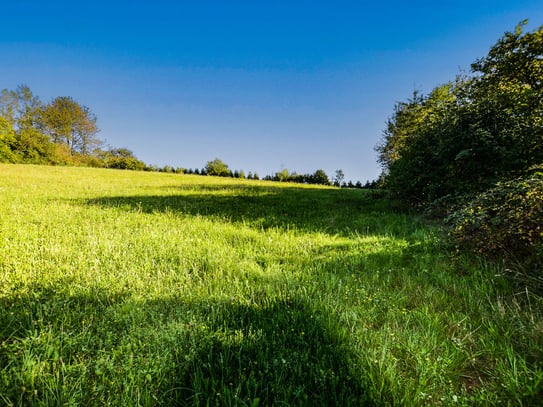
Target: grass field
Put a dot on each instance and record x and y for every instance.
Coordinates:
(131, 288)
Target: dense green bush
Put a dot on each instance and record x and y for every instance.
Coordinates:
(473, 147)
(468, 134)
(217, 168)
(125, 163)
(505, 222)
(7, 139)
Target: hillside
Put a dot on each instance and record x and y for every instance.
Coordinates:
(138, 288)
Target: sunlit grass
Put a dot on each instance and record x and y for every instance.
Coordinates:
(129, 288)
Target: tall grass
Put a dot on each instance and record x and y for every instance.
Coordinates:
(131, 288)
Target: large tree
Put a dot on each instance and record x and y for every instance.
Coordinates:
(319, 177)
(339, 177)
(68, 122)
(217, 168)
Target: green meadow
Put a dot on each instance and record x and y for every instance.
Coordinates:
(134, 288)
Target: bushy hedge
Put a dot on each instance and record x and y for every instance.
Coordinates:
(472, 132)
(125, 163)
(505, 222)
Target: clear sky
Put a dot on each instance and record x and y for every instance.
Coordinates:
(262, 85)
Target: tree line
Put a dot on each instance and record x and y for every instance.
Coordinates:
(61, 132)
(220, 169)
(64, 132)
(471, 151)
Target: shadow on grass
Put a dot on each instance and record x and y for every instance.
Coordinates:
(169, 351)
(284, 352)
(331, 211)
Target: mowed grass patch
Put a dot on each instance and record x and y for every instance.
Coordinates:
(133, 288)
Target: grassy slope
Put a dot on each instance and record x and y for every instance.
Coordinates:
(132, 288)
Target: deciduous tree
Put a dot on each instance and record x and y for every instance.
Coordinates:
(339, 177)
(70, 123)
(217, 168)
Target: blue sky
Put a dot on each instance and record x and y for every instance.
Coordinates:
(264, 86)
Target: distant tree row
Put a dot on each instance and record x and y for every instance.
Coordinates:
(219, 169)
(319, 177)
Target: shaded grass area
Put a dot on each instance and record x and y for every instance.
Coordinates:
(129, 288)
(176, 352)
(306, 210)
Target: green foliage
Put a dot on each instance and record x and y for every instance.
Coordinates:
(217, 168)
(283, 175)
(125, 163)
(338, 178)
(19, 107)
(120, 152)
(66, 121)
(20, 111)
(122, 159)
(403, 124)
(62, 132)
(475, 137)
(317, 178)
(467, 135)
(7, 141)
(505, 222)
(32, 146)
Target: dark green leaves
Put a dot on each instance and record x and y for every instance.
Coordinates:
(466, 135)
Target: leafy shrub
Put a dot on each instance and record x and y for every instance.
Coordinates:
(125, 163)
(7, 139)
(92, 161)
(61, 155)
(441, 208)
(6, 155)
(505, 222)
